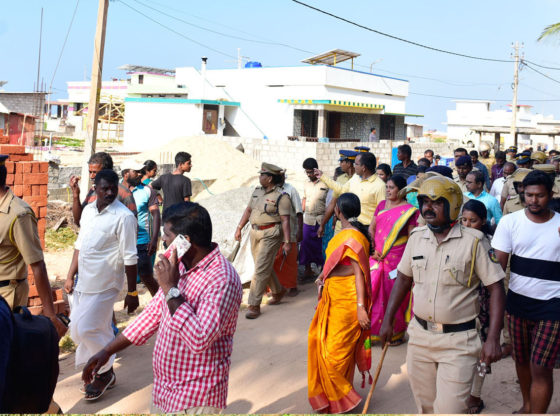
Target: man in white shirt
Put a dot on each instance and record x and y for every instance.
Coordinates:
(498, 184)
(106, 251)
(531, 236)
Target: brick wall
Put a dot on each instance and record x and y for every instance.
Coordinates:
(28, 180)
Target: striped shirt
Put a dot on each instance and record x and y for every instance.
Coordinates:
(411, 169)
(534, 287)
(192, 354)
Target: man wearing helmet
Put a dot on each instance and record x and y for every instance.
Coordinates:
(446, 261)
(485, 156)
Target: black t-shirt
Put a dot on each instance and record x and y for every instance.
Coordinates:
(175, 188)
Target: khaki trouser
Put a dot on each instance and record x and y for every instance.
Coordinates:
(264, 246)
(15, 293)
(441, 368)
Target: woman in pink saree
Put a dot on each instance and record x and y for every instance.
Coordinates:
(390, 227)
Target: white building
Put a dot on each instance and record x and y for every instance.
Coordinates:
(472, 116)
(313, 101)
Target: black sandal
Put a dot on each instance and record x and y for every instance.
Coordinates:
(474, 410)
(108, 382)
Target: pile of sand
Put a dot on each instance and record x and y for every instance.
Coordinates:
(212, 159)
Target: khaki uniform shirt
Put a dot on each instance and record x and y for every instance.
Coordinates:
(462, 184)
(442, 293)
(342, 179)
(267, 207)
(488, 162)
(512, 205)
(14, 258)
(508, 191)
(370, 191)
(315, 195)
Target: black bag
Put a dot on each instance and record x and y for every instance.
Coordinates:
(33, 367)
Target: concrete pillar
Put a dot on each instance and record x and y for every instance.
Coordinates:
(221, 120)
(322, 124)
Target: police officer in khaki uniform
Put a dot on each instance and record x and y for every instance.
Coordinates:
(446, 263)
(19, 247)
(550, 170)
(464, 166)
(485, 157)
(516, 202)
(269, 214)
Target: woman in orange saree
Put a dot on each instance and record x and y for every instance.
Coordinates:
(390, 227)
(338, 337)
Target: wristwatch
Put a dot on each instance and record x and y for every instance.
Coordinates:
(172, 294)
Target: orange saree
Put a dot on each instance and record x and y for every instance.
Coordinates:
(336, 342)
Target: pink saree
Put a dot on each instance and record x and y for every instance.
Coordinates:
(391, 236)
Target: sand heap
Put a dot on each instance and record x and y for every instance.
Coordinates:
(212, 159)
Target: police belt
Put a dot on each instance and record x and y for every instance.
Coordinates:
(264, 227)
(4, 283)
(446, 328)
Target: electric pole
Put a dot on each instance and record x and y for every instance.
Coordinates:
(513, 130)
(94, 92)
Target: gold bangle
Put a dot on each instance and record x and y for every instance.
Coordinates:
(359, 304)
(135, 293)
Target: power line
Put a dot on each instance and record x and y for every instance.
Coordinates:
(478, 99)
(539, 72)
(542, 66)
(64, 43)
(177, 33)
(221, 33)
(398, 38)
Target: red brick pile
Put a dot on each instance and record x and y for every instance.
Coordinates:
(4, 139)
(29, 180)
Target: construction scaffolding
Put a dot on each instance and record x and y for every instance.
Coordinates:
(111, 118)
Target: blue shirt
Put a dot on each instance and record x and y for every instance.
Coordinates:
(481, 167)
(492, 205)
(145, 197)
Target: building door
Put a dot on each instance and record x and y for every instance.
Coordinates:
(309, 123)
(333, 126)
(387, 128)
(210, 119)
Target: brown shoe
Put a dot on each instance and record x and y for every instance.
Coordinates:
(253, 312)
(292, 292)
(277, 297)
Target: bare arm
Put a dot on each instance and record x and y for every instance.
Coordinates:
(503, 258)
(299, 236)
(96, 362)
(69, 284)
(286, 230)
(131, 301)
(244, 220)
(156, 222)
(76, 205)
(401, 288)
(361, 296)
(491, 350)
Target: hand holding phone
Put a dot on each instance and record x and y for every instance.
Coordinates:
(181, 244)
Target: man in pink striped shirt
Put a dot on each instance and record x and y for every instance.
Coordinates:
(195, 314)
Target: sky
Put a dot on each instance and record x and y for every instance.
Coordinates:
(282, 33)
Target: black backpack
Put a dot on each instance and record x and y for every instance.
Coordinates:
(33, 367)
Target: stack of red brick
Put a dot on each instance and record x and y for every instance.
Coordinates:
(29, 180)
(3, 139)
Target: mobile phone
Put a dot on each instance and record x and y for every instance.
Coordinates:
(181, 244)
(64, 319)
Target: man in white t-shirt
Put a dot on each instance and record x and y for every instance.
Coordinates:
(532, 237)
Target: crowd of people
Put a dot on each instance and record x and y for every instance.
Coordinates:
(420, 253)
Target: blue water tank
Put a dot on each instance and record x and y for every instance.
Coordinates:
(253, 64)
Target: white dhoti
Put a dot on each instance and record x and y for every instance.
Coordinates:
(90, 324)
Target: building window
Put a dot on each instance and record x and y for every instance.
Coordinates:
(140, 79)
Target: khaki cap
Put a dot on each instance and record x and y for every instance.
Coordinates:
(545, 167)
(271, 169)
(538, 156)
(520, 174)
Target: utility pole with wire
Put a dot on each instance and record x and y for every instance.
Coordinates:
(94, 93)
(515, 56)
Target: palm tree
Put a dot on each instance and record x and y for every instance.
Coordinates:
(550, 31)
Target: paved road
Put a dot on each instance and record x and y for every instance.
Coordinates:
(269, 372)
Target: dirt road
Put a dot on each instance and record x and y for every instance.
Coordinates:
(269, 372)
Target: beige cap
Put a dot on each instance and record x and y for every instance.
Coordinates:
(270, 169)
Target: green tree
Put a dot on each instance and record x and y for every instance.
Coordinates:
(552, 30)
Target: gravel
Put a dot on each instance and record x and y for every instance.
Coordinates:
(225, 211)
